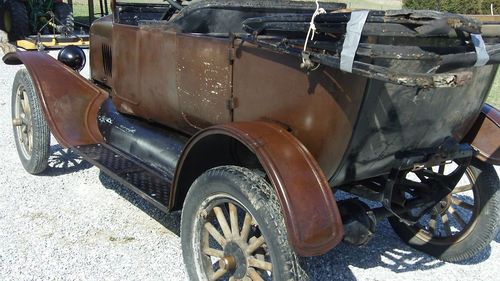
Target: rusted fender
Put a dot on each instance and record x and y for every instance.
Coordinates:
(485, 135)
(70, 102)
(311, 215)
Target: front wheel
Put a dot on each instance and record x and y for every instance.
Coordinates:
(31, 132)
(462, 224)
(232, 228)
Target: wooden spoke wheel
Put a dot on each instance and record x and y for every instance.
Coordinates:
(22, 122)
(232, 229)
(31, 132)
(464, 222)
(230, 250)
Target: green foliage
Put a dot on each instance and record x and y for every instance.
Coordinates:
(494, 98)
(455, 6)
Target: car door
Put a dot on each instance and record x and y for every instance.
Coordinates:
(203, 79)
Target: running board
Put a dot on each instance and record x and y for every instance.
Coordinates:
(147, 183)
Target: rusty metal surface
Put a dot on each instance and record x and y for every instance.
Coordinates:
(321, 108)
(485, 135)
(311, 214)
(69, 101)
(203, 79)
(126, 94)
(158, 88)
(102, 36)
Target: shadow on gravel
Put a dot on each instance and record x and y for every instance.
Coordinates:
(63, 161)
(171, 221)
(497, 238)
(385, 251)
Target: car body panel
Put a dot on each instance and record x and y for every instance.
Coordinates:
(311, 214)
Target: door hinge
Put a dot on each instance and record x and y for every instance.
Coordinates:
(231, 54)
(232, 103)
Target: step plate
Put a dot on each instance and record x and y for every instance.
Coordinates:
(148, 184)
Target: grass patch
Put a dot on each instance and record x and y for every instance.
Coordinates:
(494, 97)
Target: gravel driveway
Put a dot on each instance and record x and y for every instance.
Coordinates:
(75, 223)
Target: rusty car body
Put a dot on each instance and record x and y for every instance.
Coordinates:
(177, 90)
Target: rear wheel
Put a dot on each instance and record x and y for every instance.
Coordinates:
(31, 132)
(462, 224)
(232, 229)
(15, 20)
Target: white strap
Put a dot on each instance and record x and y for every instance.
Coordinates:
(482, 54)
(312, 26)
(352, 38)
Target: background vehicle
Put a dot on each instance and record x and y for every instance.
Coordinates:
(216, 110)
(21, 18)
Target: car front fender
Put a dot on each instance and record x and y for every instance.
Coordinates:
(311, 215)
(69, 101)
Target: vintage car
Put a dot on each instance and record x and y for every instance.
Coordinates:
(249, 115)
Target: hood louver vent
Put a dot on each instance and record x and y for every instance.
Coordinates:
(107, 60)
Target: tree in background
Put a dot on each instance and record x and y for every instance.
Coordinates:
(455, 6)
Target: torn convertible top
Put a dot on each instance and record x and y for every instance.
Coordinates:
(451, 44)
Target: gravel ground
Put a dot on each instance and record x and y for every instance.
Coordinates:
(75, 223)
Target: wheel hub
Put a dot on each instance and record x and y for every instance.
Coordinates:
(442, 206)
(235, 260)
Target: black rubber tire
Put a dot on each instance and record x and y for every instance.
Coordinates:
(38, 161)
(258, 198)
(19, 25)
(63, 14)
(484, 229)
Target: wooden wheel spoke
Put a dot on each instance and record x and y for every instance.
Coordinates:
(446, 223)
(462, 188)
(26, 121)
(213, 252)
(420, 176)
(254, 275)
(25, 104)
(247, 223)
(457, 217)
(462, 204)
(215, 234)
(264, 265)
(432, 224)
(221, 218)
(206, 247)
(233, 218)
(441, 169)
(218, 274)
(30, 142)
(255, 245)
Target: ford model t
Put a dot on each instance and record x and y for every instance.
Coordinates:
(249, 115)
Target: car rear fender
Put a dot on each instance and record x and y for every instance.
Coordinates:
(485, 135)
(69, 101)
(307, 202)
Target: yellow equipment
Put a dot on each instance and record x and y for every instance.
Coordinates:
(42, 42)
